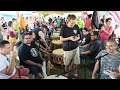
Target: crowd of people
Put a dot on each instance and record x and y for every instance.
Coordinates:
(81, 41)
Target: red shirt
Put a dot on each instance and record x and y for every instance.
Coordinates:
(88, 23)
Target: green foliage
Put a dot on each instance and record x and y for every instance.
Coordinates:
(46, 14)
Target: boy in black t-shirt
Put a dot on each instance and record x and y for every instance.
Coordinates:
(70, 35)
(91, 49)
(87, 37)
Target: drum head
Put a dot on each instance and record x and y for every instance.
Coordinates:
(56, 34)
(58, 29)
(58, 52)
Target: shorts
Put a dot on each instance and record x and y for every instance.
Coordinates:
(35, 70)
(12, 39)
(72, 57)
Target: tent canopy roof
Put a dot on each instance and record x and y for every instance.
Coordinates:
(55, 12)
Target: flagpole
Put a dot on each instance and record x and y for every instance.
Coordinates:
(98, 13)
(94, 22)
(17, 17)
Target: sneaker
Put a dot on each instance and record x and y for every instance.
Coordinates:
(67, 76)
(76, 77)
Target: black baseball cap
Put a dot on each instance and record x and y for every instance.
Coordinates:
(13, 19)
(95, 33)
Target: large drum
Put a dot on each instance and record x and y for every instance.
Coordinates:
(55, 36)
(56, 44)
(58, 29)
(55, 77)
(58, 56)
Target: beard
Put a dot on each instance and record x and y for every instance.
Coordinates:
(28, 43)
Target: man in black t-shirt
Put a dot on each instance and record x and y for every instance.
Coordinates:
(40, 36)
(44, 53)
(29, 56)
(87, 37)
(92, 49)
(70, 36)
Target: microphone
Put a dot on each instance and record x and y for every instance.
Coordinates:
(101, 56)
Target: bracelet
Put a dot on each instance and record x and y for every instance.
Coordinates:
(44, 42)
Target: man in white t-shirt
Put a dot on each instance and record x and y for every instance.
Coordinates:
(7, 62)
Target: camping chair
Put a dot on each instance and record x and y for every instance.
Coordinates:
(92, 60)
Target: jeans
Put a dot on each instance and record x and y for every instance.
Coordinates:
(84, 57)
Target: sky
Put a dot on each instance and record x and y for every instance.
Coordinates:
(12, 14)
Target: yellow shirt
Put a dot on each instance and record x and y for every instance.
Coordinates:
(80, 23)
(16, 27)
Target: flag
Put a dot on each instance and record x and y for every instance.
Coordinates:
(85, 15)
(116, 16)
(94, 22)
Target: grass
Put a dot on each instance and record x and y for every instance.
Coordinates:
(59, 70)
(81, 71)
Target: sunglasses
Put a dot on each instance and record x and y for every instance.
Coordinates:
(92, 35)
(27, 38)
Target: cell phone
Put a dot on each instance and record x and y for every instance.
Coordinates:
(73, 36)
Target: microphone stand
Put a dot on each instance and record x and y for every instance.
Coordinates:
(99, 59)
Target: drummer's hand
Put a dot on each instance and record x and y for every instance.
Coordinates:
(43, 59)
(48, 48)
(46, 52)
(39, 65)
(115, 75)
(19, 67)
(45, 49)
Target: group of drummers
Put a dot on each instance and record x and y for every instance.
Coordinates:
(66, 45)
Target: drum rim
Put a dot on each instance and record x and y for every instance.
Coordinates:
(56, 43)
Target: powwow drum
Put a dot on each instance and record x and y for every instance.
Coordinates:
(58, 56)
(55, 77)
(55, 36)
(58, 29)
(56, 44)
